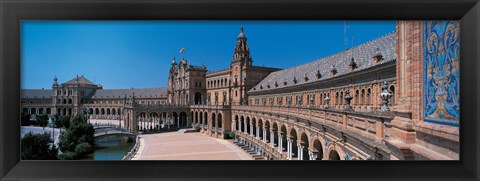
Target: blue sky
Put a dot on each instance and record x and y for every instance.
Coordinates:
(125, 54)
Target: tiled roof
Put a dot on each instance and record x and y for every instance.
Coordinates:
(362, 55)
(36, 93)
(139, 93)
(80, 79)
(101, 93)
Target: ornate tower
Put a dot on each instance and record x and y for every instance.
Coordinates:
(242, 52)
(172, 76)
(240, 61)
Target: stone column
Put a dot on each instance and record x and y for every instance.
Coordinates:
(258, 131)
(245, 127)
(289, 148)
(313, 155)
(300, 151)
(251, 129)
(264, 135)
(272, 139)
(280, 141)
(168, 122)
(178, 121)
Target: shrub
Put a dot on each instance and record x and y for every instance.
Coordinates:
(67, 156)
(231, 134)
(38, 147)
(197, 127)
(82, 149)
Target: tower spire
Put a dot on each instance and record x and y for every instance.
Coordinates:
(242, 51)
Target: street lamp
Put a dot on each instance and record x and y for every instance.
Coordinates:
(85, 114)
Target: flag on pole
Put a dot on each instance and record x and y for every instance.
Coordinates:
(182, 50)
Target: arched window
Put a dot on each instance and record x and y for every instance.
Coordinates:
(362, 97)
(368, 96)
(356, 97)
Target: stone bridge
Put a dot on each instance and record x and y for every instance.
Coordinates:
(103, 130)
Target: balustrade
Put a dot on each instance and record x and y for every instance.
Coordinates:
(372, 125)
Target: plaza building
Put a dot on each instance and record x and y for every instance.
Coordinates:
(393, 98)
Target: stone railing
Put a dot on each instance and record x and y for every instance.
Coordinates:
(210, 106)
(265, 146)
(133, 151)
(374, 125)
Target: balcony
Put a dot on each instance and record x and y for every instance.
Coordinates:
(374, 125)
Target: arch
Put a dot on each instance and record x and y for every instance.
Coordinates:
(49, 111)
(90, 110)
(212, 121)
(318, 149)
(33, 111)
(183, 119)
(254, 127)
(306, 146)
(102, 111)
(294, 138)
(198, 98)
(108, 111)
(248, 125)
(97, 112)
(260, 128)
(70, 101)
(219, 120)
(369, 92)
(64, 101)
(242, 123)
(362, 97)
(113, 111)
(205, 118)
(195, 117)
(237, 123)
(334, 152)
(283, 134)
(40, 111)
(69, 111)
(153, 114)
(333, 155)
(275, 134)
(357, 93)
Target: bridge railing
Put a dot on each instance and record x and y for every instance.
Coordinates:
(372, 125)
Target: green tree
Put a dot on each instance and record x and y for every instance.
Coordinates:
(38, 147)
(42, 120)
(62, 121)
(25, 119)
(78, 139)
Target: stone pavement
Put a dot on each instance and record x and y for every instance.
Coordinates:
(187, 146)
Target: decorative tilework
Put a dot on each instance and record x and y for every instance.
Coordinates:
(441, 72)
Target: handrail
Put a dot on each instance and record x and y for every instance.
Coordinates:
(133, 151)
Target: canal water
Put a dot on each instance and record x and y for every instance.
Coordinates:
(111, 147)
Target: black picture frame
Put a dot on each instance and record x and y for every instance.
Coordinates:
(13, 11)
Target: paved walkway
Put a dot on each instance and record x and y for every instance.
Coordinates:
(187, 146)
